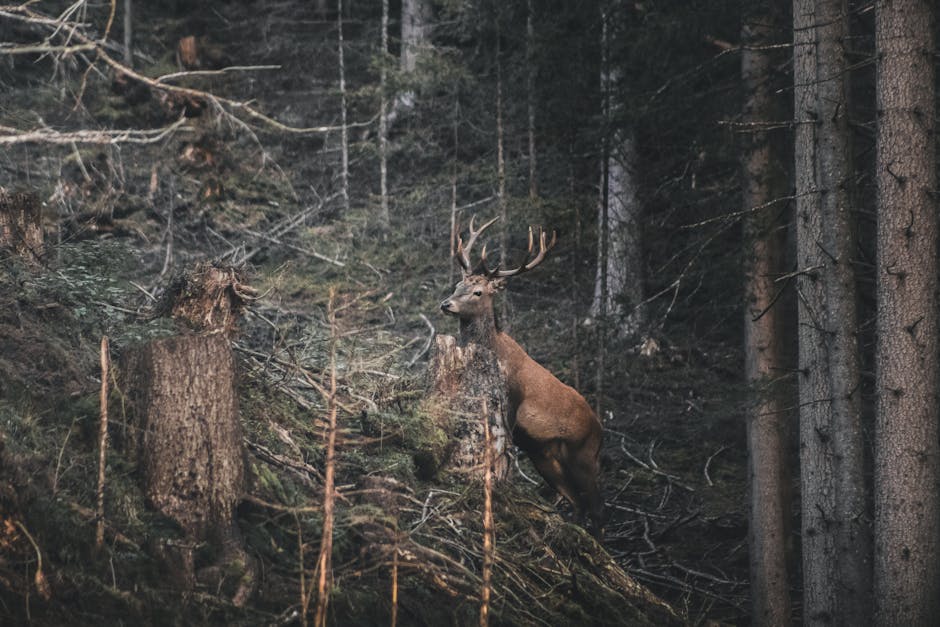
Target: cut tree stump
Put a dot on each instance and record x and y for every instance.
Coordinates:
(459, 378)
(184, 430)
(187, 440)
(207, 299)
(21, 225)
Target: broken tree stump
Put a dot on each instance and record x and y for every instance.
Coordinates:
(21, 225)
(207, 299)
(459, 378)
(184, 429)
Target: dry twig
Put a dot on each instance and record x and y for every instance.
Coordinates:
(486, 588)
(102, 443)
(329, 489)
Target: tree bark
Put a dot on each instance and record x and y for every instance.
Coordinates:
(851, 584)
(763, 181)
(907, 520)
(816, 458)
(618, 284)
(187, 436)
(384, 216)
(344, 133)
(129, 33)
(459, 379)
(415, 29)
(836, 538)
(184, 431)
(530, 96)
(501, 159)
(415, 38)
(21, 225)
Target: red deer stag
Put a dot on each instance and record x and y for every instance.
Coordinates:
(550, 421)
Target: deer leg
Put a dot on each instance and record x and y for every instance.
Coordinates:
(583, 476)
(551, 470)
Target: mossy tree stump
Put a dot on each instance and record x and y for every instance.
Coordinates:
(185, 432)
(459, 379)
(21, 225)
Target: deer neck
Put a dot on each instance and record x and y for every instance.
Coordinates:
(479, 330)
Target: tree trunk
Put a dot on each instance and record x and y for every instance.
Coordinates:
(907, 520)
(344, 133)
(501, 161)
(618, 285)
(187, 438)
(21, 225)
(129, 33)
(415, 37)
(459, 379)
(184, 430)
(763, 181)
(415, 27)
(618, 290)
(851, 584)
(530, 97)
(836, 540)
(816, 456)
(384, 217)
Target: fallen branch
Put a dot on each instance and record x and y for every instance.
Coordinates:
(122, 136)
(427, 345)
(709, 461)
(226, 70)
(656, 471)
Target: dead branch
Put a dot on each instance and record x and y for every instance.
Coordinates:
(102, 443)
(656, 471)
(427, 345)
(121, 136)
(226, 70)
(23, 13)
(329, 489)
(488, 532)
(709, 461)
(39, 579)
(394, 620)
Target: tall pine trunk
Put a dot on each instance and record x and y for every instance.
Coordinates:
(618, 283)
(763, 181)
(815, 408)
(851, 585)
(129, 33)
(384, 216)
(344, 135)
(907, 520)
(530, 97)
(415, 38)
(836, 538)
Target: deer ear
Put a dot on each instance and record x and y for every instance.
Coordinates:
(498, 284)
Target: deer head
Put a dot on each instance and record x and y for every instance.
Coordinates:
(473, 297)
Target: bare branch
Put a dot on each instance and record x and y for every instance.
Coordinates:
(13, 136)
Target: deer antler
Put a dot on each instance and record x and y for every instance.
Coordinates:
(462, 255)
(525, 267)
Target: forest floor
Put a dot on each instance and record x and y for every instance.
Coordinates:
(123, 220)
